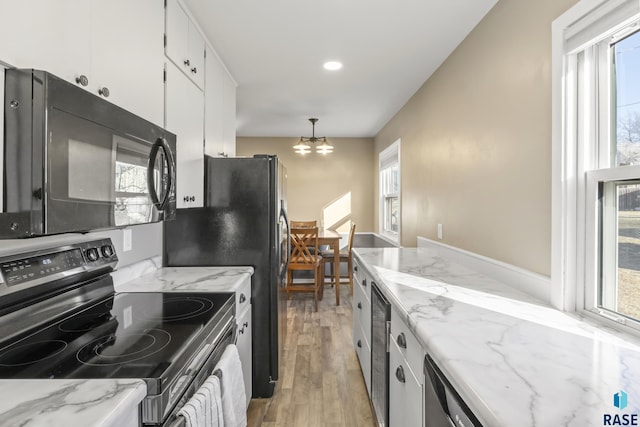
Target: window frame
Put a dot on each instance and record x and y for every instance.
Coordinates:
(389, 158)
(581, 118)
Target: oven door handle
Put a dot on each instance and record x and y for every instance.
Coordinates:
(160, 143)
(195, 364)
(178, 422)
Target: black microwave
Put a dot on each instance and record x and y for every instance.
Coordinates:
(74, 162)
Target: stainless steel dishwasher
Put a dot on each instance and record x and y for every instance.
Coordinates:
(443, 405)
(380, 323)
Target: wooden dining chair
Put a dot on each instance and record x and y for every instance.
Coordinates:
(303, 240)
(345, 256)
(304, 224)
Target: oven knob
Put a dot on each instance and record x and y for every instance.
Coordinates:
(107, 251)
(92, 254)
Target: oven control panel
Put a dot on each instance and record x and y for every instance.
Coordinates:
(50, 264)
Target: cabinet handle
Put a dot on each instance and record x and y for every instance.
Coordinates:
(401, 340)
(364, 282)
(400, 374)
(104, 91)
(355, 268)
(244, 326)
(359, 344)
(82, 80)
(360, 305)
(187, 62)
(242, 298)
(194, 70)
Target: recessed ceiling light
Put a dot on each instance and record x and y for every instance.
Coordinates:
(332, 65)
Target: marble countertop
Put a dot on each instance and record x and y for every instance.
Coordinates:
(107, 402)
(69, 402)
(514, 359)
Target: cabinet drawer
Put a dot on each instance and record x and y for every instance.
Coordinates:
(406, 342)
(405, 391)
(362, 311)
(243, 295)
(364, 356)
(362, 280)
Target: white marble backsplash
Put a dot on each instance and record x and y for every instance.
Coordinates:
(515, 360)
(132, 271)
(205, 279)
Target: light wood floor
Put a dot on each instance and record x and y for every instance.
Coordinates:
(320, 379)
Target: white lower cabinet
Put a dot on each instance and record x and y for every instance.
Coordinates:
(244, 349)
(406, 355)
(362, 321)
(243, 342)
(405, 391)
(363, 351)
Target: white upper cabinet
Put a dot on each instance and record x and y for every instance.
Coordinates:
(184, 43)
(229, 116)
(112, 48)
(185, 117)
(220, 109)
(48, 35)
(127, 57)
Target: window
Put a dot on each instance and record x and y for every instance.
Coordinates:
(390, 191)
(132, 201)
(597, 166)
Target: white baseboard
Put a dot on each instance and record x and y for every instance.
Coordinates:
(527, 281)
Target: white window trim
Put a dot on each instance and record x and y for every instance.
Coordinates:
(393, 150)
(573, 241)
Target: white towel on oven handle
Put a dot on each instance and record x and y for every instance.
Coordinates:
(234, 409)
(204, 408)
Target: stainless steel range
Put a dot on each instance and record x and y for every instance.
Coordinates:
(60, 318)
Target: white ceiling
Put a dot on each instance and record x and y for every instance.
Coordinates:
(275, 49)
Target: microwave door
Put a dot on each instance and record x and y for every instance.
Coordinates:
(80, 175)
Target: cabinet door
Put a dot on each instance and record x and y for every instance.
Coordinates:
(229, 115)
(185, 44)
(127, 57)
(177, 32)
(49, 35)
(213, 107)
(405, 392)
(363, 351)
(245, 351)
(196, 56)
(184, 105)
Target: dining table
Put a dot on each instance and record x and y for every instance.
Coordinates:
(332, 238)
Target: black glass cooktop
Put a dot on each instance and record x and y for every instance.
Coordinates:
(128, 335)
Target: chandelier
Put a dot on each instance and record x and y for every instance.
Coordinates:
(303, 147)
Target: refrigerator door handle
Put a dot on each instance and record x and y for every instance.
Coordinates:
(285, 267)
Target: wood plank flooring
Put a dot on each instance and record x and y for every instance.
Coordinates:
(321, 383)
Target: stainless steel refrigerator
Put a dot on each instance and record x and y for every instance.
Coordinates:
(244, 223)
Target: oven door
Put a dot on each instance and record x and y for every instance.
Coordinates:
(98, 178)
